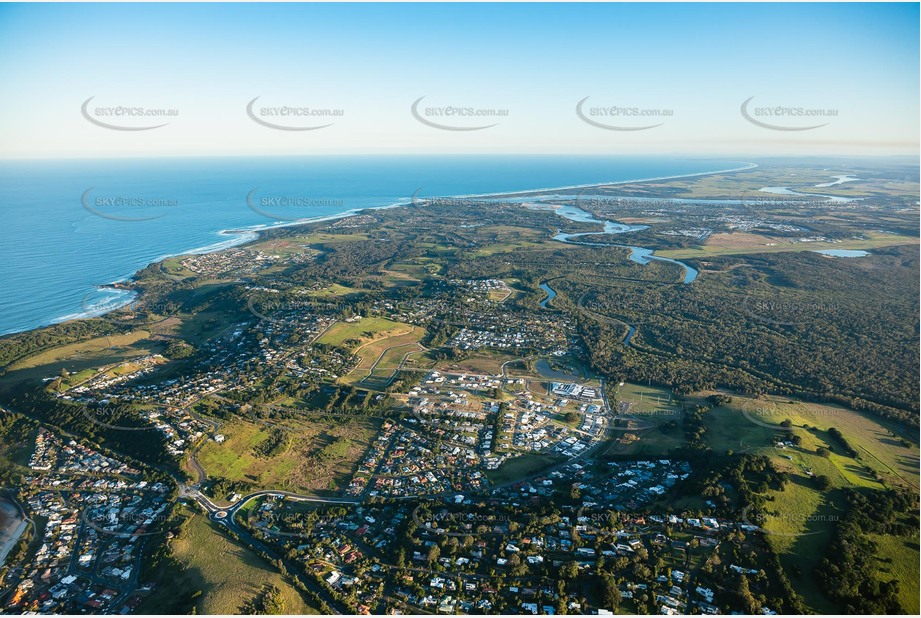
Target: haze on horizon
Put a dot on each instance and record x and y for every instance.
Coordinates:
(693, 65)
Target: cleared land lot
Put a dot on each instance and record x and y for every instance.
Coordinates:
(382, 355)
(379, 377)
(334, 290)
(489, 362)
(520, 467)
(319, 457)
(363, 331)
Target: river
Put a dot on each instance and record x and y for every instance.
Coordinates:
(640, 255)
(631, 330)
(551, 294)
(788, 191)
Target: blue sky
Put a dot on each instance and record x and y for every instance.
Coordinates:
(692, 64)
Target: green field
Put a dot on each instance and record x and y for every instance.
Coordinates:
(384, 353)
(880, 443)
(380, 377)
(520, 467)
(227, 573)
(408, 271)
(802, 518)
(507, 247)
(85, 359)
(172, 266)
(334, 290)
(99, 349)
(364, 330)
(484, 361)
(391, 358)
(741, 243)
(647, 401)
(328, 239)
(800, 525)
(651, 415)
(310, 464)
(283, 246)
(729, 429)
(904, 567)
(205, 325)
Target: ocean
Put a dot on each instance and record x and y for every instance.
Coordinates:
(71, 226)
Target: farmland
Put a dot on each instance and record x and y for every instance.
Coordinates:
(739, 243)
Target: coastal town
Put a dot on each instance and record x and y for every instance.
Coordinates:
(452, 429)
(458, 554)
(423, 525)
(455, 432)
(438, 309)
(92, 516)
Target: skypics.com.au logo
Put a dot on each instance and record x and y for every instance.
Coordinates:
(291, 117)
(769, 523)
(785, 117)
(456, 117)
(621, 117)
(769, 416)
(292, 207)
(126, 207)
(126, 117)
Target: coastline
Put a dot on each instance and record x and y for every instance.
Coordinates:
(246, 235)
(528, 192)
(240, 236)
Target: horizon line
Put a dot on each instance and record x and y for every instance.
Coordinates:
(916, 155)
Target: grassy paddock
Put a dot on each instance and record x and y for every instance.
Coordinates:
(520, 467)
(385, 351)
(738, 243)
(801, 520)
(364, 330)
(228, 575)
(99, 348)
(903, 554)
(309, 464)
